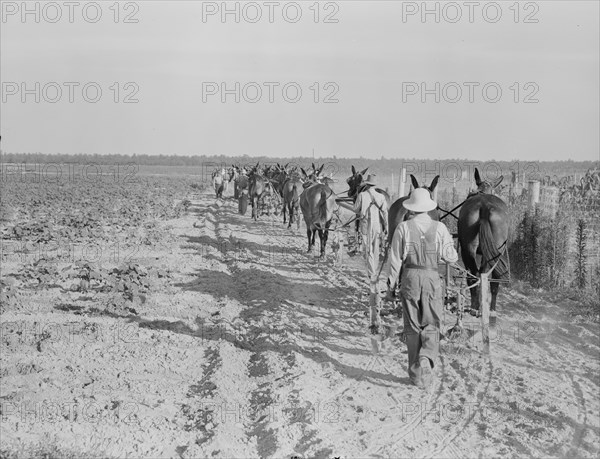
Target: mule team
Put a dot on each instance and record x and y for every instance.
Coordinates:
(415, 240)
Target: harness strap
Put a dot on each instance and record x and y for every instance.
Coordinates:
(373, 202)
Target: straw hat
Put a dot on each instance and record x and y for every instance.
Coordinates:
(420, 201)
(369, 181)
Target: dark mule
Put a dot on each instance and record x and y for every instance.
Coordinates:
(278, 178)
(242, 191)
(483, 229)
(317, 202)
(256, 188)
(291, 200)
(354, 182)
(355, 185)
(397, 213)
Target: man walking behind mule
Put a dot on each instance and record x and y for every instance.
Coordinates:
(371, 209)
(420, 244)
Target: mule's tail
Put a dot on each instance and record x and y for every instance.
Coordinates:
(492, 253)
(323, 206)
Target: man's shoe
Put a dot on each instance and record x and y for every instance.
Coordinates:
(426, 371)
(417, 382)
(374, 329)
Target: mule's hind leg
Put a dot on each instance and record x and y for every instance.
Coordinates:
(494, 287)
(324, 235)
(311, 239)
(322, 242)
(469, 257)
(284, 212)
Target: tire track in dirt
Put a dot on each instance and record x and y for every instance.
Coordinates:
(552, 356)
(558, 353)
(446, 443)
(216, 403)
(202, 418)
(580, 426)
(303, 412)
(261, 399)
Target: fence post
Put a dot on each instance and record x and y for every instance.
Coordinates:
(549, 199)
(402, 183)
(454, 189)
(513, 185)
(534, 193)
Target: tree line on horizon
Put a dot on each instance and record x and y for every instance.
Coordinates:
(381, 163)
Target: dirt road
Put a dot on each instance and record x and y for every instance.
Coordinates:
(252, 348)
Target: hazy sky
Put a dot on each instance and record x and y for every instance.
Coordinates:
(368, 57)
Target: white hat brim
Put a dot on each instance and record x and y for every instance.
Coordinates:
(421, 207)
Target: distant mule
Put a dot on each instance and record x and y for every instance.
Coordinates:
(317, 203)
(242, 192)
(256, 188)
(291, 190)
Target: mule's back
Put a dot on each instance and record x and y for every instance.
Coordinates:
(317, 203)
(256, 185)
(479, 206)
(288, 189)
(242, 181)
(483, 228)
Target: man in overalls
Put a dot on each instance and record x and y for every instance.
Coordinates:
(420, 244)
(371, 209)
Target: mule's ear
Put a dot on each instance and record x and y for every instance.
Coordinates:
(498, 181)
(321, 169)
(414, 182)
(364, 172)
(353, 171)
(477, 177)
(304, 172)
(434, 183)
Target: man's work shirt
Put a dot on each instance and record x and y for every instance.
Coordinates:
(402, 243)
(367, 208)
